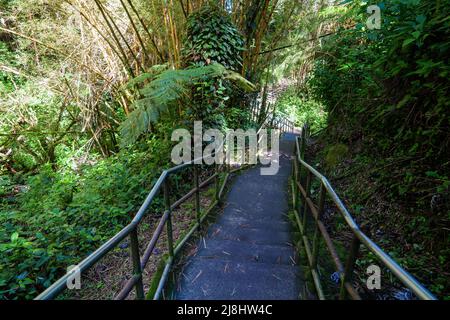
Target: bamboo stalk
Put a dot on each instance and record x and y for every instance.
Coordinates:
(138, 35)
(121, 36)
(128, 66)
(182, 8)
(82, 14)
(155, 47)
(53, 49)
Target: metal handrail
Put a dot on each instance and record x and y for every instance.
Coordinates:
(131, 230)
(359, 237)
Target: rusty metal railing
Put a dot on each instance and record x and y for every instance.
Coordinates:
(283, 123)
(304, 207)
(139, 262)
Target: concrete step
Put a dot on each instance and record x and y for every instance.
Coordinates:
(238, 251)
(245, 221)
(220, 279)
(250, 235)
(257, 211)
(247, 253)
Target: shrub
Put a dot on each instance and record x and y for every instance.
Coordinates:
(64, 215)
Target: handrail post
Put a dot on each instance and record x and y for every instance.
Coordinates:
(294, 179)
(136, 259)
(169, 217)
(305, 204)
(197, 194)
(316, 239)
(217, 183)
(349, 266)
(303, 144)
(298, 178)
(298, 181)
(302, 149)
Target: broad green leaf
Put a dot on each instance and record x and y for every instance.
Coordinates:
(408, 41)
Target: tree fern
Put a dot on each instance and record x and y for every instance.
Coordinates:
(164, 90)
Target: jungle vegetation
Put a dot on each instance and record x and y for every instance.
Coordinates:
(90, 91)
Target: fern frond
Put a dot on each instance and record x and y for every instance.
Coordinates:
(240, 81)
(164, 90)
(152, 72)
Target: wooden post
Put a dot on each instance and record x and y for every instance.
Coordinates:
(136, 259)
(169, 218)
(197, 194)
(305, 204)
(349, 266)
(316, 239)
(217, 181)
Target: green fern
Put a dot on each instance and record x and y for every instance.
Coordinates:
(150, 75)
(164, 90)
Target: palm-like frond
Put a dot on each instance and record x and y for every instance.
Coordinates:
(164, 90)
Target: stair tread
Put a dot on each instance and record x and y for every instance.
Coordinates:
(246, 223)
(232, 250)
(247, 253)
(221, 279)
(251, 235)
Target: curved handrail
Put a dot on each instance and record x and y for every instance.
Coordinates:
(360, 237)
(131, 230)
(58, 286)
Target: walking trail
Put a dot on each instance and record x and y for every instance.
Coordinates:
(248, 253)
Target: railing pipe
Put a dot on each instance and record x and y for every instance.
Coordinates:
(305, 206)
(197, 193)
(316, 239)
(359, 237)
(141, 212)
(349, 266)
(59, 285)
(217, 184)
(169, 217)
(135, 257)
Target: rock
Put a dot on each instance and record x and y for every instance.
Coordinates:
(123, 245)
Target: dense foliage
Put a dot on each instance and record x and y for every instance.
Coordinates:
(390, 88)
(68, 180)
(65, 214)
(387, 96)
(171, 88)
(212, 37)
(298, 106)
(90, 91)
